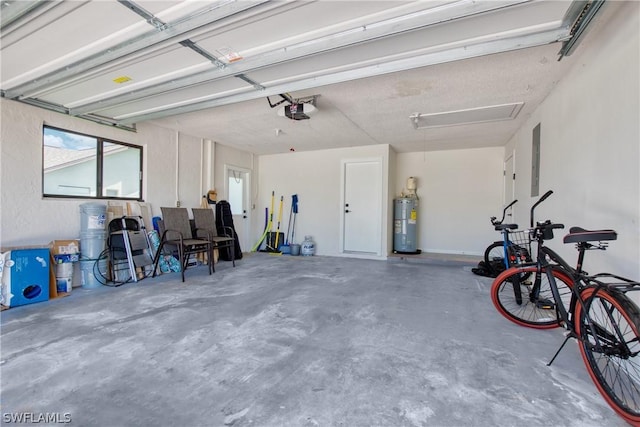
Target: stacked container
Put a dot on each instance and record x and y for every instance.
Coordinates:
(65, 254)
(93, 238)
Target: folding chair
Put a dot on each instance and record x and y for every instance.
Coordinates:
(177, 232)
(205, 223)
(129, 248)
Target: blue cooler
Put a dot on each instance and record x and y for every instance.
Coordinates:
(26, 277)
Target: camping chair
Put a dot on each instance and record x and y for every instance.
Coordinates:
(205, 223)
(177, 232)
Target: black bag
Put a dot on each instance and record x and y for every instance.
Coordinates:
(224, 218)
(493, 270)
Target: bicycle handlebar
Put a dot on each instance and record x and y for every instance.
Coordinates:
(509, 205)
(544, 230)
(504, 213)
(548, 225)
(544, 197)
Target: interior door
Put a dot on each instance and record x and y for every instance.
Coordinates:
(362, 211)
(237, 190)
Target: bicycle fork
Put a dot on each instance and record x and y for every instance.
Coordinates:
(534, 294)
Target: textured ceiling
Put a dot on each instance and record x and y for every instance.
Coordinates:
(207, 69)
(376, 110)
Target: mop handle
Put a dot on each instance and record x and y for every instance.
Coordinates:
(279, 219)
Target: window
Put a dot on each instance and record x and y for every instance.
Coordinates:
(236, 192)
(77, 165)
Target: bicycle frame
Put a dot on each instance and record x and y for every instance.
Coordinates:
(581, 281)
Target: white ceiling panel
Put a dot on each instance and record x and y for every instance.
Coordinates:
(66, 38)
(169, 9)
(277, 27)
(280, 29)
(218, 88)
(159, 67)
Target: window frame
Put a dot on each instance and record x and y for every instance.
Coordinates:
(99, 178)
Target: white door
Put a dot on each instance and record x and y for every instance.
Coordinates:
(237, 190)
(509, 185)
(362, 218)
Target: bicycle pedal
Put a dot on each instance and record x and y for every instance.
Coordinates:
(545, 305)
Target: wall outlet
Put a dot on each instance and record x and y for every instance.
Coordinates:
(177, 203)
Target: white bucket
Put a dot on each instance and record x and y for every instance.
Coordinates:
(64, 270)
(93, 217)
(92, 244)
(88, 274)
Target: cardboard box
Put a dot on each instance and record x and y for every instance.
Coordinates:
(26, 276)
(65, 247)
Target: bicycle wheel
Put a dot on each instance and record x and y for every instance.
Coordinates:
(522, 306)
(610, 348)
(494, 258)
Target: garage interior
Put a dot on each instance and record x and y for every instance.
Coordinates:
(354, 335)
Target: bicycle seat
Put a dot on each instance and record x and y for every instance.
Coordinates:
(579, 234)
(501, 227)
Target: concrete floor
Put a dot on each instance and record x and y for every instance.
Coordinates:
(294, 341)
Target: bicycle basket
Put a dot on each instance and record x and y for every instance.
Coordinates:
(520, 247)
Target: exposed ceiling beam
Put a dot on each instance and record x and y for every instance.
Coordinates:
(462, 51)
(353, 36)
(154, 38)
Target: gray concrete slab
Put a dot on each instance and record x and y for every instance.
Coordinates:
(300, 341)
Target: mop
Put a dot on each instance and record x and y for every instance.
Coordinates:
(276, 249)
(286, 248)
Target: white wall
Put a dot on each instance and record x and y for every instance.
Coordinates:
(590, 138)
(316, 178)
(459, 190)
(173, 170)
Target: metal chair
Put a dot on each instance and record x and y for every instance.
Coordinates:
(178, 233)
(205, 227)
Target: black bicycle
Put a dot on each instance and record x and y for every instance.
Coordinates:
(594, 309)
